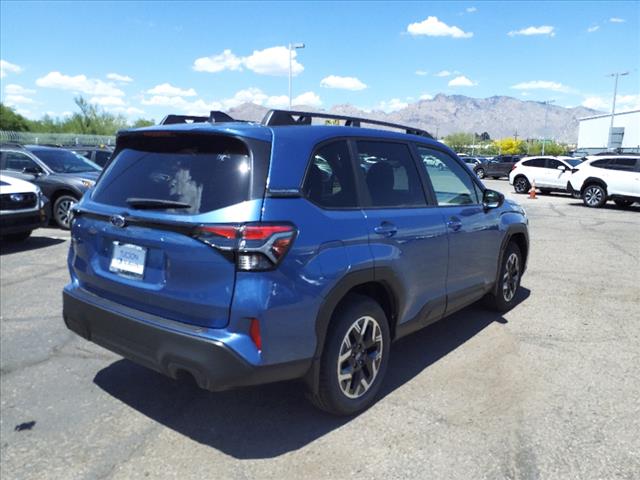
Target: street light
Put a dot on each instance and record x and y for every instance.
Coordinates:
(546, 114)
(613, 106)
(292, 46)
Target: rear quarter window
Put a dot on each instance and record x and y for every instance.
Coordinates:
(206, 172)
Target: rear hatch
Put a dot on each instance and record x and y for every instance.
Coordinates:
(134, 238)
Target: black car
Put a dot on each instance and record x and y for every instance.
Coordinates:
(501, 165)
(99, 155)
(63, 176)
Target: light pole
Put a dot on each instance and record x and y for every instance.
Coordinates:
(613, 105)
(546, 114)
(292, 46)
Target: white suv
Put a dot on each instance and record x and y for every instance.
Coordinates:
(548, 173)
(22, 208)
(602, 178)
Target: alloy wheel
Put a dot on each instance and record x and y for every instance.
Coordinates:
(593, 196)
(360, 357)
(511, 277)
(63, 211)
(521, 185)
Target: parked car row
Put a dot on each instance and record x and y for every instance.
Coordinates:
(595, 180)
(62, 175)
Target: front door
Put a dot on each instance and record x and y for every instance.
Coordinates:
(474, 236)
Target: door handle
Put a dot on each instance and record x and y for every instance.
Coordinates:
(386, 229)
(454, 224)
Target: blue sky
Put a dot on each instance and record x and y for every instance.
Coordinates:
(147, 59)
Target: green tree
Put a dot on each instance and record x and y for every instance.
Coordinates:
(143, 122)
(12, 121)
(460, 141)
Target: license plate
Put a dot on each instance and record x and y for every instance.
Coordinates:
(128, 259)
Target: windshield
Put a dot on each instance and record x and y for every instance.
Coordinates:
(64, 161)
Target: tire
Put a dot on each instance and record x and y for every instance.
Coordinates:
(17, 237)
(504, 297)
(521, 184)
(622, 203)
(594, 195)
(348, 397)
(61, 208)
(480, 173)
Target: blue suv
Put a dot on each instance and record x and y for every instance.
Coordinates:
(244, 253)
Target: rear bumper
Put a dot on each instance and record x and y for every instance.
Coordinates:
(23, 221)
(167, 346)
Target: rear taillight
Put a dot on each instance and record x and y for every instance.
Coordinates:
(254, 247)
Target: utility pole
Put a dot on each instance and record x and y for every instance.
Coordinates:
(292, 46)
(546, 115)
(613, 103)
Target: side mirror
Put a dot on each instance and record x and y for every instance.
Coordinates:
(562, 168)
(32, 170)
(492, 199)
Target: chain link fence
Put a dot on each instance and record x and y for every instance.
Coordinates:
(64, 139)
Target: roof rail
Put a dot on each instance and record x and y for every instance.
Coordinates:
(215, 116)
(287, 117)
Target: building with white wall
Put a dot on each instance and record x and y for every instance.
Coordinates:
(593, 133)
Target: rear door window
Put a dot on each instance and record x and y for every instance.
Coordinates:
(390, 173)
(536, 162)
(198, 173)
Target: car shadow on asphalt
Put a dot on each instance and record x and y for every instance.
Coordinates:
(271, 420)
(32, 243)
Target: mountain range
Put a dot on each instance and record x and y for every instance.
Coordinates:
(499, 116)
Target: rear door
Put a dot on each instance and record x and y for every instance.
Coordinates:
(623, 177)
(473, 233)
(407, 236)
(135, 241)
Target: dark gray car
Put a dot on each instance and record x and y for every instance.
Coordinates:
(62, 176)
(501, 165)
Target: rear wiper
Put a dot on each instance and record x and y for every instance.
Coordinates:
(155, 203)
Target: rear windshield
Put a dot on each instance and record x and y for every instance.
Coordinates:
(201, 173)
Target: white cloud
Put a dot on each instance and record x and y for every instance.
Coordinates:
(273, 61)
(79, 83)
(443, 73)
(217, 63)
(525, 94)
(17, 100)
(471, 10)
(307, 98)
(116, 77)
(422, 73)
(597, 103)
(541, 85)
(432, 27)
(248, 95)
(426, 96)
(107, 101)
(270, 61)
(541, 30)
(623, 102)
(343, 83)
(127, 110)
(617, 20)
(166, 89)
(7, 67)
(462, 81)
(392, 105)
(593, 28)
(13, 89)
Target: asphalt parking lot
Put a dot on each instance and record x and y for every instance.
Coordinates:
(549, 390)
